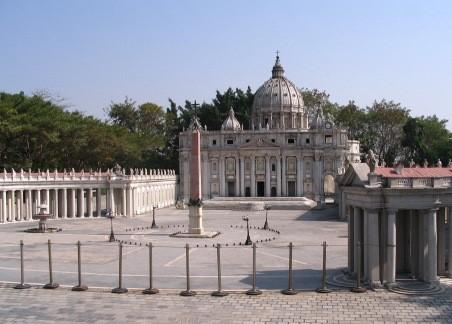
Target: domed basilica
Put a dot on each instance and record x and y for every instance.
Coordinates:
(281, 155)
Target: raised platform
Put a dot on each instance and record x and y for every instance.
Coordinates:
(259, 203)
(205, 234)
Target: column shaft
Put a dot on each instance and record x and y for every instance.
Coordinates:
(432, 237)
(373, 247)
(98, 202)
(253, 176)
(89, 202)
(278, 176)
(449, 225)
(283, 176)
(242, 177)
(390, 270)
(237, 177)
(267, 176)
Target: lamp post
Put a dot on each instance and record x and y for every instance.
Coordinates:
(248, 239)
(153, 217)
(109, 214)
(266, 220)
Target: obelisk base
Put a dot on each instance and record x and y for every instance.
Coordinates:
(195, 220)
(195, 228)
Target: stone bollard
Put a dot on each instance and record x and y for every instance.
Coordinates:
(187, 292)
(22, 285)
(79, 287)
(120, 289)
(51, 284)
(290, 290)
(151, 290)
(220, 292)
(253, 291)
(324, 288)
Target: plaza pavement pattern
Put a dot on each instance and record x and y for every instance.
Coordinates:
(38, 305)
(98, 305)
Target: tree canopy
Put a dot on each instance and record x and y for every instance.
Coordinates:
(37, 132)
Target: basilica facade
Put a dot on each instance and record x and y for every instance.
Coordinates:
(283, 154)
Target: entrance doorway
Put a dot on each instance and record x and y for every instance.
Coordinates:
(260, 188)
(273, 192)
(231, 189)
(291, 188)
(247, 192)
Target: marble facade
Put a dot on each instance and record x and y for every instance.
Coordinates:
(283, 154)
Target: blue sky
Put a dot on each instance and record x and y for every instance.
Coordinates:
(95, 52)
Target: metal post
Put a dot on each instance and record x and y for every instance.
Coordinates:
(51, 284)
(79, 287)
(153, 218)
(290, 290)
(150, 290)
(22, 285)
(254, 291)
(266, 220)
(187, 292)
(324, 288)
(358, 288)
(220, 292)
(120, 289)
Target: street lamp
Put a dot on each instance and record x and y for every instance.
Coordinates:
(109, 214)
(266, 220)
(248, 239)
(153, 217)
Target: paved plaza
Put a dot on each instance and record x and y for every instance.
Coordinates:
(37, 305)
(306, 229)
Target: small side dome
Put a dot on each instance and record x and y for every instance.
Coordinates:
(231, 123)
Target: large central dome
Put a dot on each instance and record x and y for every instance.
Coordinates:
(278, 103)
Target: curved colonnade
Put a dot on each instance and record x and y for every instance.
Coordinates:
(85, 194)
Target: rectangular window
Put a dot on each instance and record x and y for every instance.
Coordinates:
(214, 142)
(291, 140)
(247, 140)
(273, 140)
(328, 139)
(308, 140)
(229, 142)
(273, 167)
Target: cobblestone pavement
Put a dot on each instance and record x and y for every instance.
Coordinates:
(38, 305)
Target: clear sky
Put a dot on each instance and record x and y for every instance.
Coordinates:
(94, 52)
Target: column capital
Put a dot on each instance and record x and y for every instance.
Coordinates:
(391, 210)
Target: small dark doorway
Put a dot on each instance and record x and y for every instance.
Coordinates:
(291, 188)
(231, 191)
(247, 192)
(273, 192)
(260, 188)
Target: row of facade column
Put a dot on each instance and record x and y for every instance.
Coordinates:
(21, 205)
(281, 176)
(400, 241)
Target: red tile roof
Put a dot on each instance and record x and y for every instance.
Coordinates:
(414, 172)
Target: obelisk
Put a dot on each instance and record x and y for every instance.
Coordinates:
(195, 203)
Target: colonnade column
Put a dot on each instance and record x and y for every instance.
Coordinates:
(81, 203)
(267, 176)
(64, 203)
(431, 245)
(441, 217)
(351, 241)
(124, 202)
(129, 202)
(11, 213)
(38, 200)
(89, 202)
(98, 201)
(357, 221)
(237, 177)
(373, 248)
(29, 202)
(242, 176)
(283, 176)
(72, 200)
(253, 176)
(20, 209)
(278, 176)
(390, 270)
(55, 203)
(449, 223)
(47, 200)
